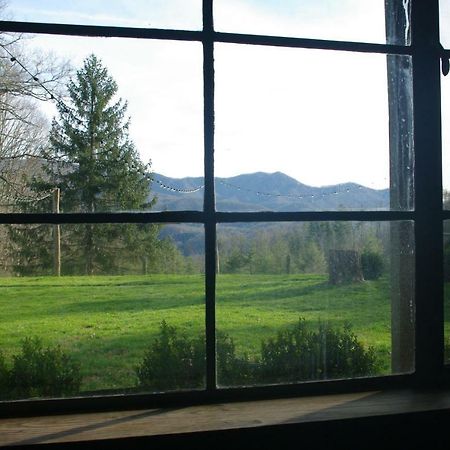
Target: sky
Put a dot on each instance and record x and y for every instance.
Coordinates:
(318, 116)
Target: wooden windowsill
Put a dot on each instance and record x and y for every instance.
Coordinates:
(192, 420)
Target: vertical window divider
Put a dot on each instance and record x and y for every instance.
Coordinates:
(209, 199)
(428, 192)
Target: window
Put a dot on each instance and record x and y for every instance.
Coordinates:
(198, 296)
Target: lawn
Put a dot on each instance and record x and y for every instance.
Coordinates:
(107, 322)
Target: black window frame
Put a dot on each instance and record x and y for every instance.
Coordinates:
(428, 214)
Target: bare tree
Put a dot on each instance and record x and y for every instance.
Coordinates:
(27, 77)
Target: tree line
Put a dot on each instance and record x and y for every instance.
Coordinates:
(301, 248)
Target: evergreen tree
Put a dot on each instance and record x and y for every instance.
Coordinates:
(98, 167)
(93, 161)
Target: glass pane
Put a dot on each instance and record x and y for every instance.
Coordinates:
(444, 28)
(350, 20)
(314, 301)
(184, 14)
(445, 112)
(447, 291)
(100, 309)
(147, 124)
(310, 130)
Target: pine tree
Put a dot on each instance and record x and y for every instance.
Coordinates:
(97, 168)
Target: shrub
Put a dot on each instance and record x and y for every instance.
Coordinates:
(447, 350)
(232, 370)
(372, 264)
(299, 354)
(4, 375)
(447, 262)
(39, 372)
(172, 361)
(175, 362)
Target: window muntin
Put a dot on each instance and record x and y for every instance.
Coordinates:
(139, 14)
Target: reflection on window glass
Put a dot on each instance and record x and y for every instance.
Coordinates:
(351, 20)
(101, 307)
(184, 14)
(113, 129)
(307, 129)
(314, 301)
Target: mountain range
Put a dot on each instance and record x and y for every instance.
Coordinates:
(262, 191)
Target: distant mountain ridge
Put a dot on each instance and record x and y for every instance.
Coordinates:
(261, 191)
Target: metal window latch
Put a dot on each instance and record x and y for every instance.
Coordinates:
(445, 61)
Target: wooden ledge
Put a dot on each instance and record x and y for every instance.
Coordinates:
(95, 430)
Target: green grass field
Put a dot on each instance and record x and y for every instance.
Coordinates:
(107, 321)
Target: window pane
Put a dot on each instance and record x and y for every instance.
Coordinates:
(309, 301)
(184, 14)
(310, 130)
(445, 112)
(124, 312)
(351, 20)
(447, 290)
(444, 28)
(148, 118)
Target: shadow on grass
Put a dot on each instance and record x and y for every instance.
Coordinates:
(264, 294)
(157, 280)
(138, 304)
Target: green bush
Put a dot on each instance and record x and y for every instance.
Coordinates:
(172, 361)
(372, 265)
(233, 370)
(447, 262)
(4, 375)
(447, 350)
(299, 354)
(39, 372)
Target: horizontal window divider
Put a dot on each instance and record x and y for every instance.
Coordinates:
(100, 31)
(131, 401)
(201, 217)
(192, 35)
(319, 44)
(306, 216)
(125, 217)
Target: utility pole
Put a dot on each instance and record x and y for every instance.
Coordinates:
(56, 235)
